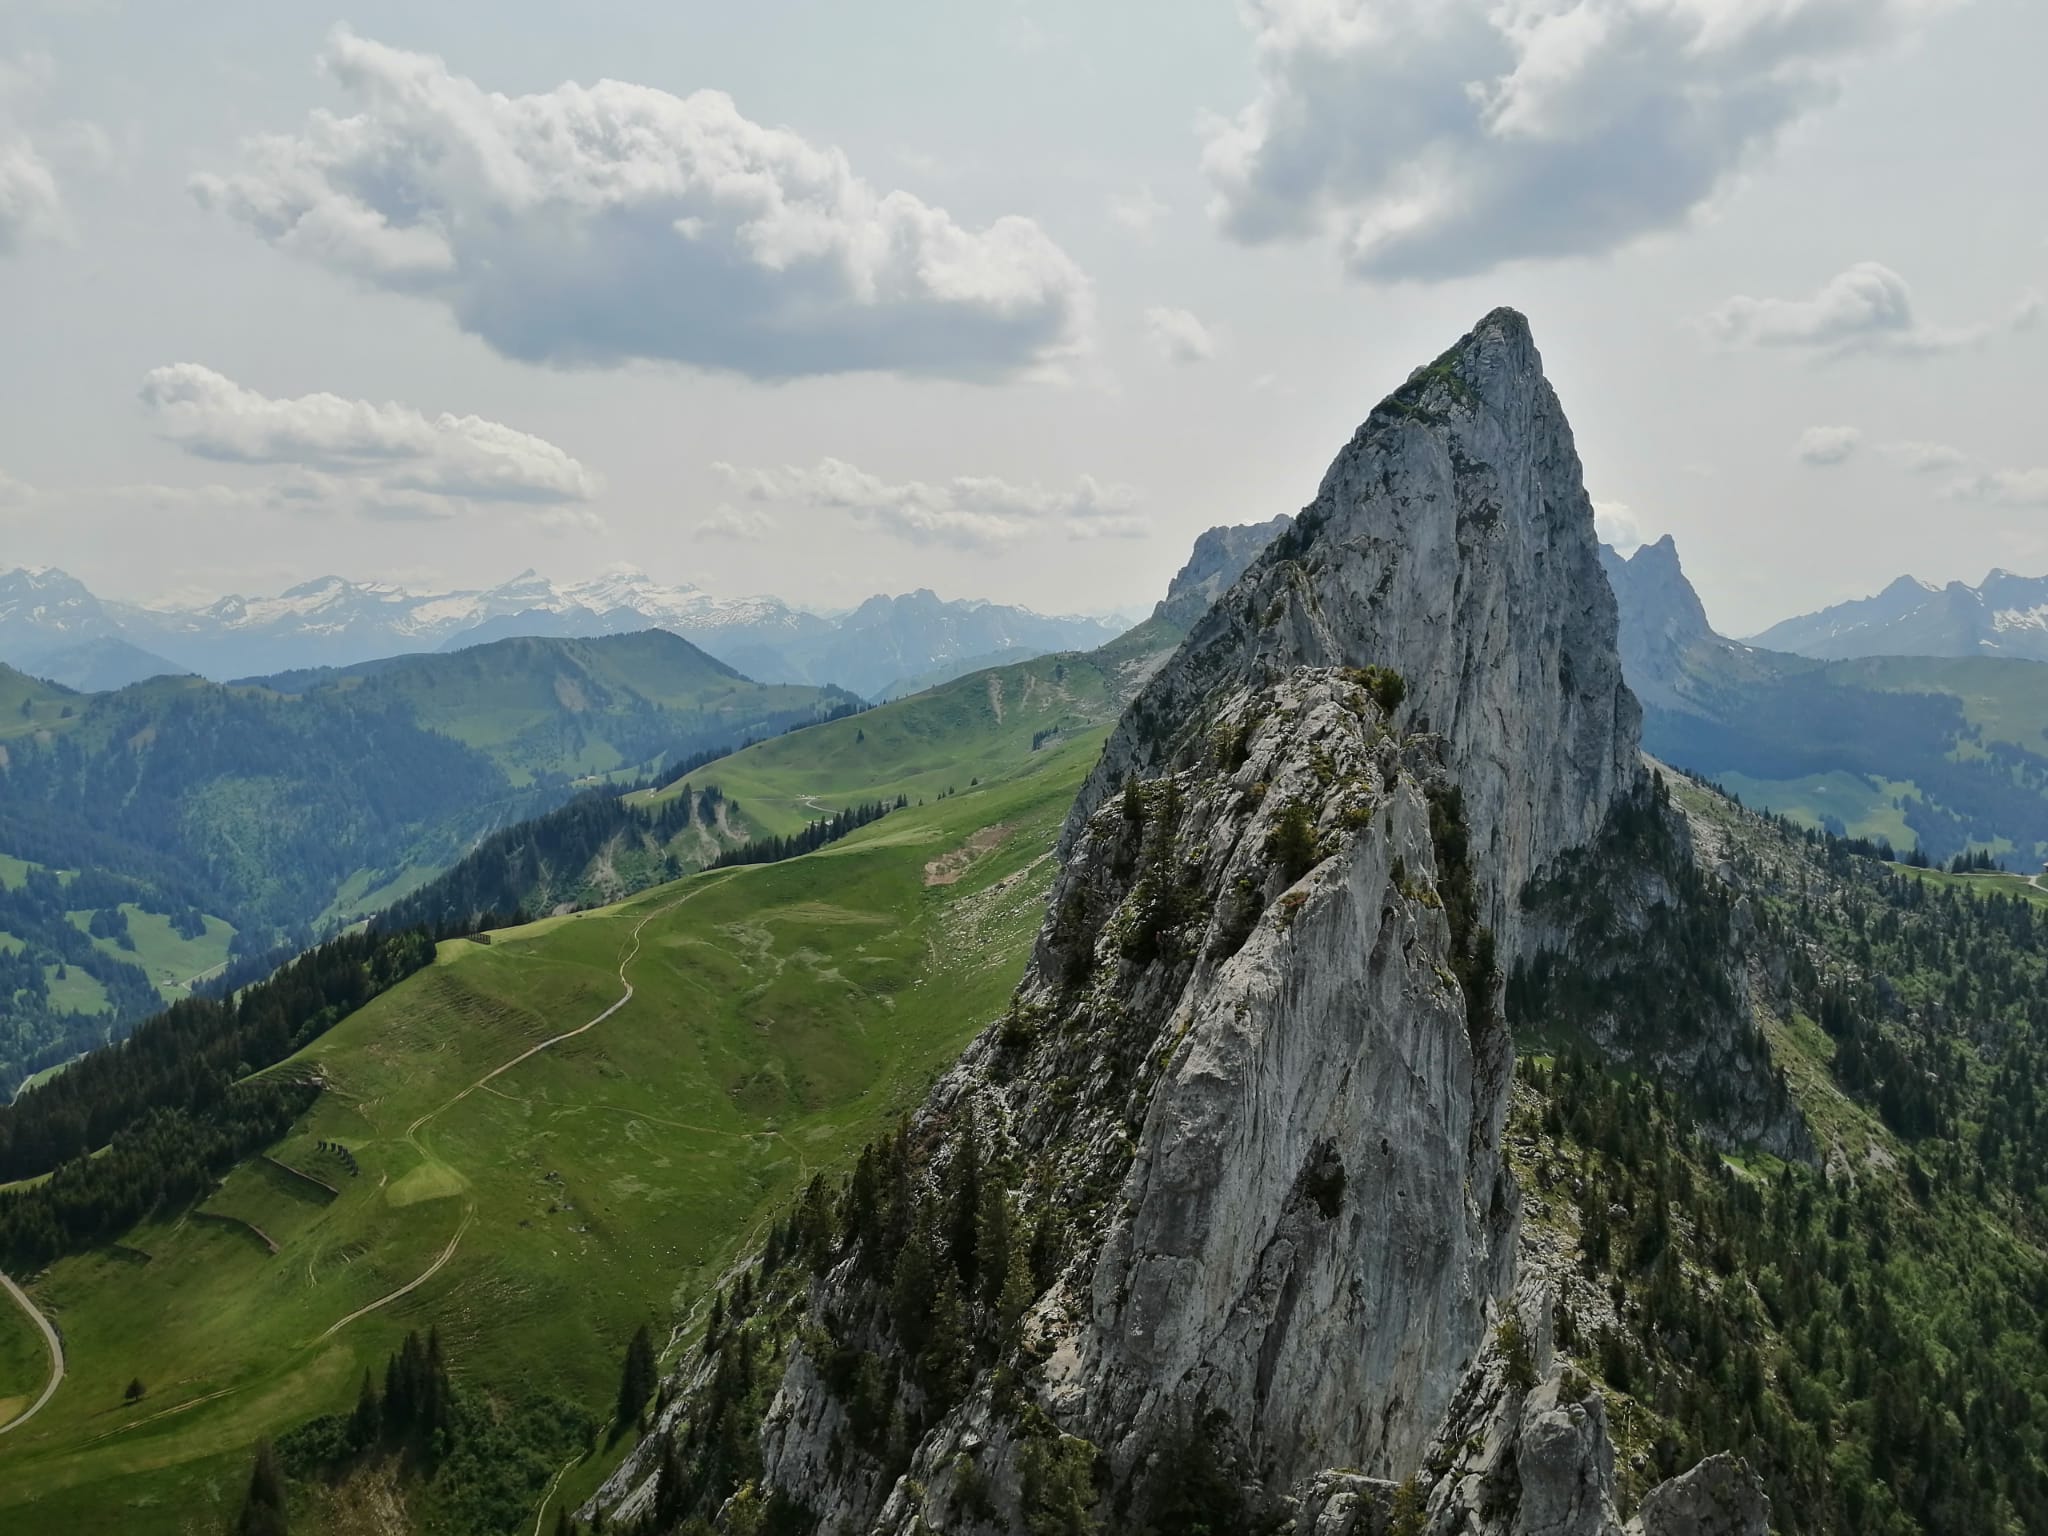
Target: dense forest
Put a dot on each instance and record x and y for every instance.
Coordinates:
(1866, 1331)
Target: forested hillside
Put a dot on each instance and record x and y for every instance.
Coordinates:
(1865, 1328)
(149, 835)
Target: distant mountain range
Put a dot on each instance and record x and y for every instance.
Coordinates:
(2005, 616)
(1947, 753)
(53, 626)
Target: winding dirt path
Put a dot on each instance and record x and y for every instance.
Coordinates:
(433, 1269)
(632, 953)
(51, 1341)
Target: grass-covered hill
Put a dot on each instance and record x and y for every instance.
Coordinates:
(603, 847)
(537, 1206)
(550, 710)
(146, 833)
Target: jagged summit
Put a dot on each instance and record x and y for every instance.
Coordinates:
(1452, 541)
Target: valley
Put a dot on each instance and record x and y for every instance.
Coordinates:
(179, 825)
(779, 1016)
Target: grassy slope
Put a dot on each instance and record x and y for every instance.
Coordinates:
(29, 705)
(173, 963)
(24, 1361)
(783, 1015)
(2007, 699)
(979, 726)
(1864, 807)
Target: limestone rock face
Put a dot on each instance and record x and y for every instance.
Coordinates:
(1452, 541)
(1256, 1072)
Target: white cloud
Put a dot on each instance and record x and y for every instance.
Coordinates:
(2026, 315)
(592, 225)
(1178, 336)
(971, 512)
(1868, 308)
(1826, 446)
(1924, 458)
(31, 204)
(2003, 488)
(407, 452)
(748, 525)
(1442, 138)
(1614, 522)
(1139, 212)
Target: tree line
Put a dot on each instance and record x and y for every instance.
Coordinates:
(829, 829)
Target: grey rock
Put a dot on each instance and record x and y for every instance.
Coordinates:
(1722, 1496)
(1452, 541)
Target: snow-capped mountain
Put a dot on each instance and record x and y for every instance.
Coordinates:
(2007, 615)
(335, 622)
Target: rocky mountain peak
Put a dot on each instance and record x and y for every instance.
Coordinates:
(1219, 557)
(1451, 542)
(1248, 1100)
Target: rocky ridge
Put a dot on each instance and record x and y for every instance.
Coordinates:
(1249, 1098)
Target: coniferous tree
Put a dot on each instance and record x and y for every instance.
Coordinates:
(263, 1507)
(992, 1240)
(912, 1290)
(636, 1379)
(366, 1423)
(945, 1362)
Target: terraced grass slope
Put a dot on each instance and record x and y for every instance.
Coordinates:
(538, 1204)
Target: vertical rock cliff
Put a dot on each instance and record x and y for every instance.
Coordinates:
(1221, 1205)
(1452, 541)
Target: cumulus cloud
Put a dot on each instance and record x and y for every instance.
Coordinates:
(1826, 446)
(1442, 138)
(594, 225)
(31, 203)
(1179, 336)
(2003, 488)
(1614, 522)
(406, 451)
(1924, 458)
(1868, 308)
(2026, 315)
(970, 512)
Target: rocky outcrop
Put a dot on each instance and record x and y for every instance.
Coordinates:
(1662, 622)
(1219, 557)
(1451, 542)
(1719, 1497)
(1250, 1093)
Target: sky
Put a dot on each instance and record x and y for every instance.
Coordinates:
(1008, 300)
